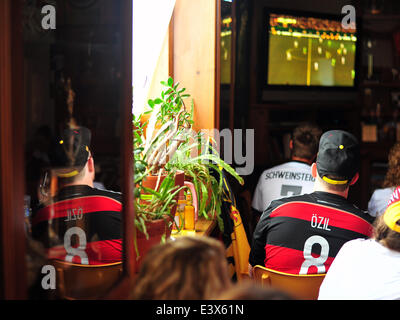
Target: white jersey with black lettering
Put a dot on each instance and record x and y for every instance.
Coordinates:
(285, 180)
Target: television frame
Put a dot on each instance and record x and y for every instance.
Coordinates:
(263, 60)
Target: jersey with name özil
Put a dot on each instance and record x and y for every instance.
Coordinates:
(285, 180)
(81, 225)
(303, 234)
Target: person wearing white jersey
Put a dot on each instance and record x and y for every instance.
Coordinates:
(368, 269)
(290, 178)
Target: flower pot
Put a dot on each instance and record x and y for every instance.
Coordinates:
(156, 229)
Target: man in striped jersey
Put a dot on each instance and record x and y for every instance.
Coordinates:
(303, 234)
(80, 224)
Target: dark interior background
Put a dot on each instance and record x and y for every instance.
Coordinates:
(85, 47)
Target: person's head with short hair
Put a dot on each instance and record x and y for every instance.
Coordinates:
(188, 268)
(71, 159)
(337, 164)
(304, 142)
(387, 226)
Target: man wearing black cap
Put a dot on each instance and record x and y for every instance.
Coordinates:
(303, 234)
(80, 224)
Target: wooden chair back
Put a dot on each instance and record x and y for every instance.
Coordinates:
(301, 287)
(76, 281)
(240, 246)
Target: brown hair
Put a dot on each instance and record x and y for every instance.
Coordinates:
(306, 141)
(189, 268)
(392, 178)
(249, 290)
(387, 236)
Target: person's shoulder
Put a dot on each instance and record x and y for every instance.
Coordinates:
(108, 194)
(363, 214)
(276, 167)
(379, 200)
(307, 197)
(358, 244)
(291, 165)
(353, 209)
(384, 192)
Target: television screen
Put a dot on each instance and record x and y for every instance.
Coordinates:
(309, 51)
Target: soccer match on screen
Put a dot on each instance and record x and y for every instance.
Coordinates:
(308, 51)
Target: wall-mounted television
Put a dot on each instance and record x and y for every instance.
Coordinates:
(308, 51)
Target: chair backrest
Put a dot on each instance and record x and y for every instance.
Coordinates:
(76, 281)
(240, 244)
(302, 287)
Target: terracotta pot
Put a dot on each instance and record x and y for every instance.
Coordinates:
(156, 229)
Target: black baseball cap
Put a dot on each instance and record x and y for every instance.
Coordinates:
(71, 152)
(338, 156)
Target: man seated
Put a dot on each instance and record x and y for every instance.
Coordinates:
(291, 178)
(80, 224)
(303, 234)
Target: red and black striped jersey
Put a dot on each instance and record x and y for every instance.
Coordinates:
(303, 234)
(81, 225)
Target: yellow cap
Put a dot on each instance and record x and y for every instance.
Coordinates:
(392, 215)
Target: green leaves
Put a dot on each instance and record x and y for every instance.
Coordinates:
(171, 102)
(170, 82)
(150, 103)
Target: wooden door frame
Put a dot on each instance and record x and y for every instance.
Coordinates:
(12, 135)
(13, 268)
(129, 231)
(217, 83)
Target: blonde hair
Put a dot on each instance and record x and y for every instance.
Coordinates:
(189, 268)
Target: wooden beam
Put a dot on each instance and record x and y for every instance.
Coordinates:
(217, 85)
(129, 231)
(232, 88)
(194, 57)
(12, 124)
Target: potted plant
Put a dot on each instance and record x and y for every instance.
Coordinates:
(168, 151)
(155, 197)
